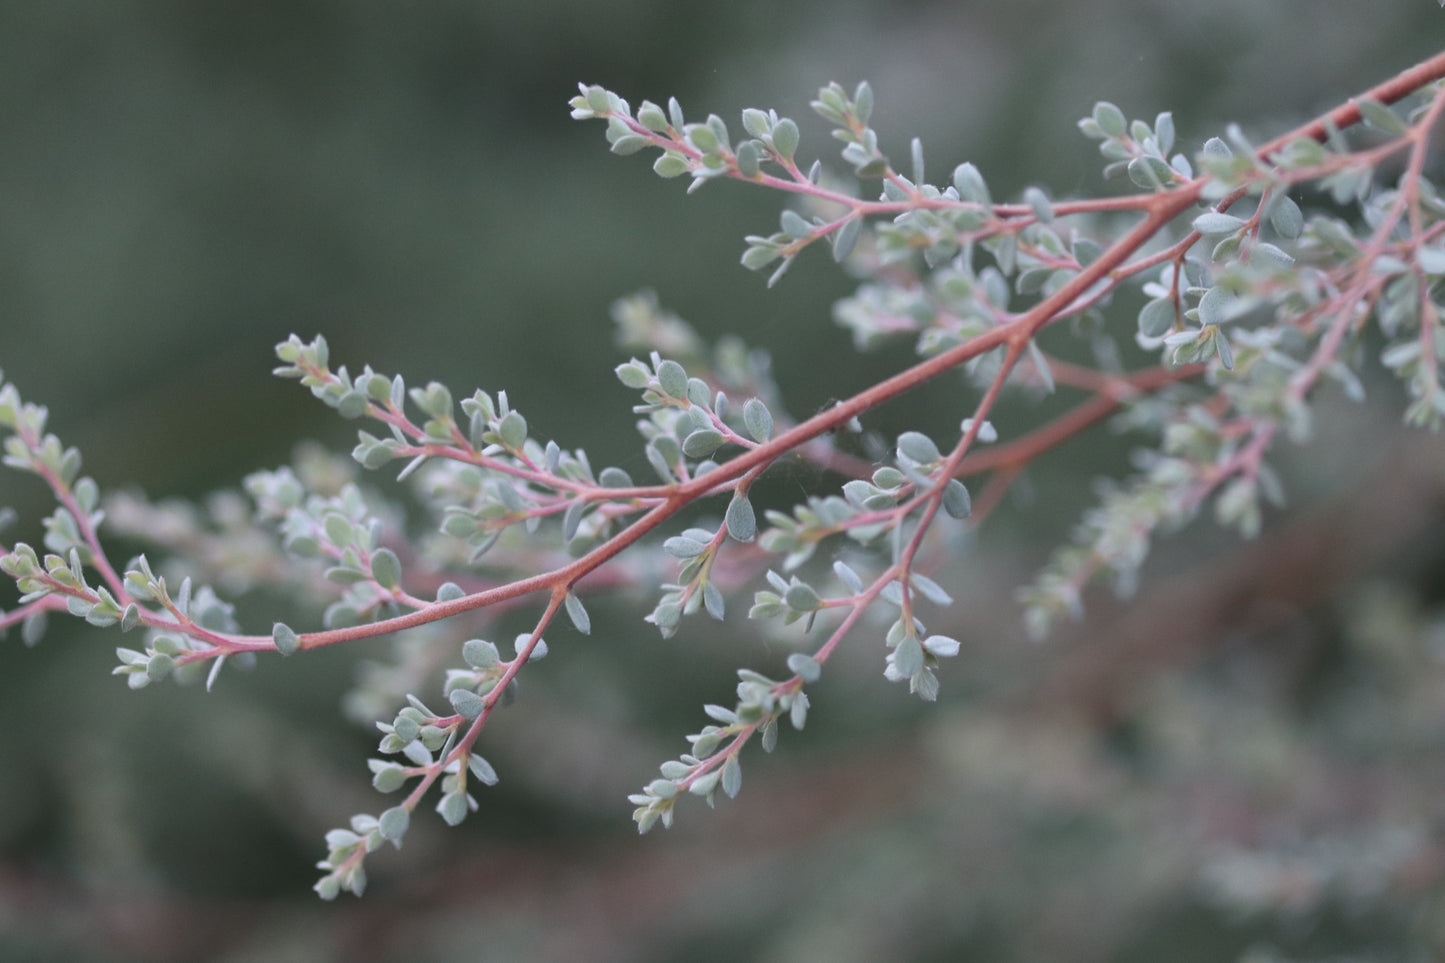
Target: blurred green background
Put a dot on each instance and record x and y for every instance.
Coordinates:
(183, 185)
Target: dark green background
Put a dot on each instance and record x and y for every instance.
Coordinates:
(183, 185)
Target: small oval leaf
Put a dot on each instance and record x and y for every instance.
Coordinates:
(741, 521)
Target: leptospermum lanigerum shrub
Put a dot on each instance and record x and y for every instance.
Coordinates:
(1249, 305)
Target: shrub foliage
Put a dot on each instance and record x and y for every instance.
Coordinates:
(1214, 298)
